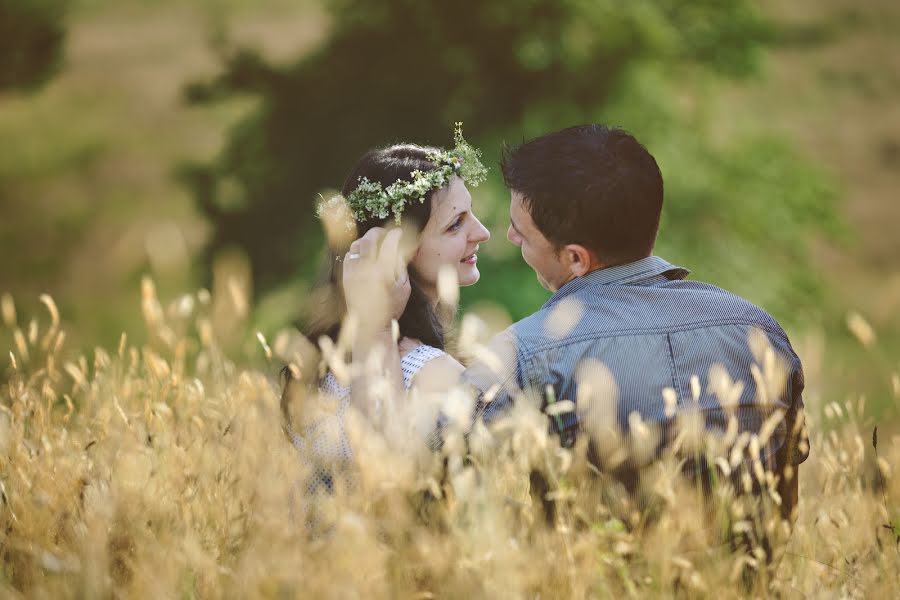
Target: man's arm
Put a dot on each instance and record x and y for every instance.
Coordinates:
(493, 375)
(794, 450)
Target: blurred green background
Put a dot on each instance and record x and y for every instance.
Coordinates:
(187, 140)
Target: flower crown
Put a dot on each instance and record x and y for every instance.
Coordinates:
(371, 200)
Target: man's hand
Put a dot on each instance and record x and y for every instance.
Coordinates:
(375, 278)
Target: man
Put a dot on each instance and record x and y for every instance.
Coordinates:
(625, 337)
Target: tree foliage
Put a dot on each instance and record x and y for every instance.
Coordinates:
(31, 42)
(406, 70)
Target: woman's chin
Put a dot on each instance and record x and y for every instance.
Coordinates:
(468, 275)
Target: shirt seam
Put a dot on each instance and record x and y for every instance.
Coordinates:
(632, 280)
(639, 331)
(672, 371)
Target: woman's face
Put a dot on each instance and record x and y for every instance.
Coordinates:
(450, 237)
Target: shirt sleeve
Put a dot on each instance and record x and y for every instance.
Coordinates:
(495, 376)
(796, 444)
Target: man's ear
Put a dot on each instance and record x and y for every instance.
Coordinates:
(581, 260)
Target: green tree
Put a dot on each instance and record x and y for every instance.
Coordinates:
(406, 70)
(32, 36)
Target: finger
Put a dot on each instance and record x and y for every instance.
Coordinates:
(375, 234)
(389, 255)
(366, 248)
(403, 258)
(408, 243)
(369, 242)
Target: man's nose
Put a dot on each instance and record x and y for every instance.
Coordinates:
(511, 235)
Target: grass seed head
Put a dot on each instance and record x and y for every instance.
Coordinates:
(861, 329)
(8, 310)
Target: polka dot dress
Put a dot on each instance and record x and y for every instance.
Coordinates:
(409, 366)
(325, 442)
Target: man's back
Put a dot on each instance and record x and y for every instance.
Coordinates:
(650, 343)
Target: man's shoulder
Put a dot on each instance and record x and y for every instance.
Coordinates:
(628, 310)
(712, 302)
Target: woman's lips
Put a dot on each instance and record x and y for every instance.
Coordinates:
(470, 260)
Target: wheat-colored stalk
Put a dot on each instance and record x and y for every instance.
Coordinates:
(157, 471)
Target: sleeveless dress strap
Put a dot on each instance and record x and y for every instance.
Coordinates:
(413, 361)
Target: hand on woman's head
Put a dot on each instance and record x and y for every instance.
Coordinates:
(375, 279)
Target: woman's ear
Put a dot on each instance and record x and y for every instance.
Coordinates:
(581, 260)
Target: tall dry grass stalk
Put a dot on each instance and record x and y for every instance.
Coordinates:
(163, 471)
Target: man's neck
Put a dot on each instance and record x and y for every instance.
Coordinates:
(597, 265)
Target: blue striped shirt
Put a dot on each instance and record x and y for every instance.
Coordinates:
(648, 343)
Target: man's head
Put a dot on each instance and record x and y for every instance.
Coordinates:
(583, 198)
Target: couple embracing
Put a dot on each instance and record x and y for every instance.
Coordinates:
(585, 205)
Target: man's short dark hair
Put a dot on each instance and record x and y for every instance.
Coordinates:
(591, 185)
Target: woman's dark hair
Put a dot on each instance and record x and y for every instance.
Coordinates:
(591, 185)
(384, 166)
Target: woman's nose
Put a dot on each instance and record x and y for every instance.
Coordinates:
(481, 232)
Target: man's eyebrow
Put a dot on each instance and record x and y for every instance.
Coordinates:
(513, 223)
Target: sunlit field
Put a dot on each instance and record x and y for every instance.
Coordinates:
(148, 448)
(167, 470)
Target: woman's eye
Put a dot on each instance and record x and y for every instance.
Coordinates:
(456, 224)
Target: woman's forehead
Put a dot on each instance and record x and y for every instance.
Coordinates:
(452, 199)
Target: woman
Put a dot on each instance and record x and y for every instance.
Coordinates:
(421, 187)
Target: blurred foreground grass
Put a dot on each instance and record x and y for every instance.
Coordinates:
(162, 470)
(158, 467)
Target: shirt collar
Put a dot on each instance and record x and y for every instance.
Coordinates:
(629, 273)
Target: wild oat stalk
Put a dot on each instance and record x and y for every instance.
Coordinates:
(162, 470)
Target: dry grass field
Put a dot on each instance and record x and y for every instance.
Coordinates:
(163, 470)
(158, 465)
